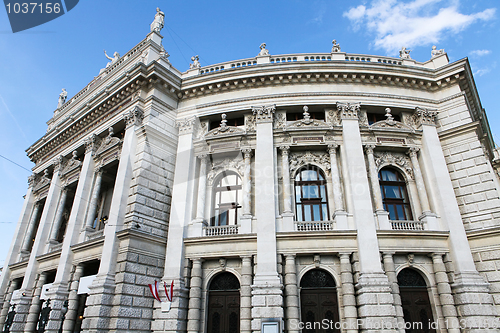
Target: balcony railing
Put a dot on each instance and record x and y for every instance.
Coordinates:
(407, 225)
(314, 226)
(221, 230)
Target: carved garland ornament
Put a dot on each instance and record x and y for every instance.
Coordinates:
(399, 159)
(298, 160)
(235, 164)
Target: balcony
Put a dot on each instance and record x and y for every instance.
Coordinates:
(221, 230)
(314, 226)
(407, 225)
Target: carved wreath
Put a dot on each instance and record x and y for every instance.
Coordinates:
(298, 160)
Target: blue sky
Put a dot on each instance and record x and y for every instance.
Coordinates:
(68, 52)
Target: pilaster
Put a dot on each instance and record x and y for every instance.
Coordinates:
(246, 295)
(390, 271)
(288, 215)
(340, 215)
(193, 324)
(246, 218)
(36, 305)
(291, 294)
(69, 322)
(348, 293)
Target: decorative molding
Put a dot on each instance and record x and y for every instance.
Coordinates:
(236, 164)
(92, 143)
(72, 165)
(202, 130)
(249, 123)
(223, 129)
(307, 121)
(58, 163)
(348, 110)
(363, 118)
(247, 152)
(185, 126)
(298, 160)
(332, 148)
(44, 181)
(397, 159)
(31, 180)
(285, 149)
(279, 120)
(263, 114)
(133, 117)
(424, 117)
(333, 117)
(390, 123)
(108, 143)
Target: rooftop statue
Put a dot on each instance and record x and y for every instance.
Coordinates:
(62, 98)
(196, 62)
(263, 50)
(336, 46)
(159, 21)
(115, 58)
(404, 53)
(435, 52)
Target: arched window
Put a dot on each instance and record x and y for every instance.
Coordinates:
(224, 304)
(318, 301)
(415, 301)
(227, 194)
(311, 202)
(394, 194)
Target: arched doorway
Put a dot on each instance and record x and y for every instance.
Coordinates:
(224, 304)
(415, 301)
(318, 302)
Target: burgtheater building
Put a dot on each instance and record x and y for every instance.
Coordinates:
(275, 192)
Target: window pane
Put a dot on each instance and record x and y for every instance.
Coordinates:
(307, 213)
(392, 212)
(316, 215)
(323, 193)
(388, 175)
(297, 194)
(309, 175)
(299, 213)
(310, 191)
(392, 192)
(325, 213)
(231, 216)
(401, 215)
(223, 218)
(408, 213)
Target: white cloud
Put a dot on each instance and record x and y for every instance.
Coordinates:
(419, 22)
(481, 72)
(479, 53)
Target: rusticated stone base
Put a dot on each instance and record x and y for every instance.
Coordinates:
(175, 320)
(267, 303)
(376, 311)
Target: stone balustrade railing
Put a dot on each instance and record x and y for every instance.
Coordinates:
(314, 226)
(407, 225)
(221, 230)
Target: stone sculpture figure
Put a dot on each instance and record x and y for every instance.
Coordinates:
(196, 62)
(435, 52)
(159, 21)
(62, 98)
(404, 53)
(336, 46)
(263, 50)
(115, 58)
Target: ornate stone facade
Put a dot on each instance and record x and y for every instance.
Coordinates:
(200, 202)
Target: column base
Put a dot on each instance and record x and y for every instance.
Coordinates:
(246, 224)
(430, 221)
(340, 218)
(174, 320)
(22, 310)
(376, 309)
(195, 228)
(383, 220)
(99, 304)
(288, 223)
(267, 303)
(474, 302)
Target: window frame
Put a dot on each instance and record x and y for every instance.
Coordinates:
(311, 202)
(403, 202)
(221, 209)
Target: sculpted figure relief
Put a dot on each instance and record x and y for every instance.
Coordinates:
(62, 98)
(159, 21)
(196, 62)
(435, 52)
(263, 50)
(404, 53)
(115, 58)
(336, 46)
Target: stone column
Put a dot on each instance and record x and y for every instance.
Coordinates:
(89, 223)
(471, 292)
(196, 227)
(6, 302)
(59, 216)
(35, 307)
(382, 215)
(445, 295)
(69, 322)
(31, 228)
(340, 215)
(292, 294)
(348, 294)
(288, 224)
(267, 299)
(427, 216)
(102, 289)
(180, 216)
(246, 218)
(193, 325)
(246, 295)
(390, 271)
(374, 298)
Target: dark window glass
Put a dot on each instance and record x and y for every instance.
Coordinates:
(394, 195)
(374, 117)
(311, 202)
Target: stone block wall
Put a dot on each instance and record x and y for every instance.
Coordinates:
(488, 264)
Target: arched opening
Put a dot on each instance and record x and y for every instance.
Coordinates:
(311, 202)
(415, 301)
(318, 302)
(394, 194)
(227, 197)
(224, 304)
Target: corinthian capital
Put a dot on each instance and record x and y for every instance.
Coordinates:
(424, 117)
(264, 114)
(348, 110)
(133, 117)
